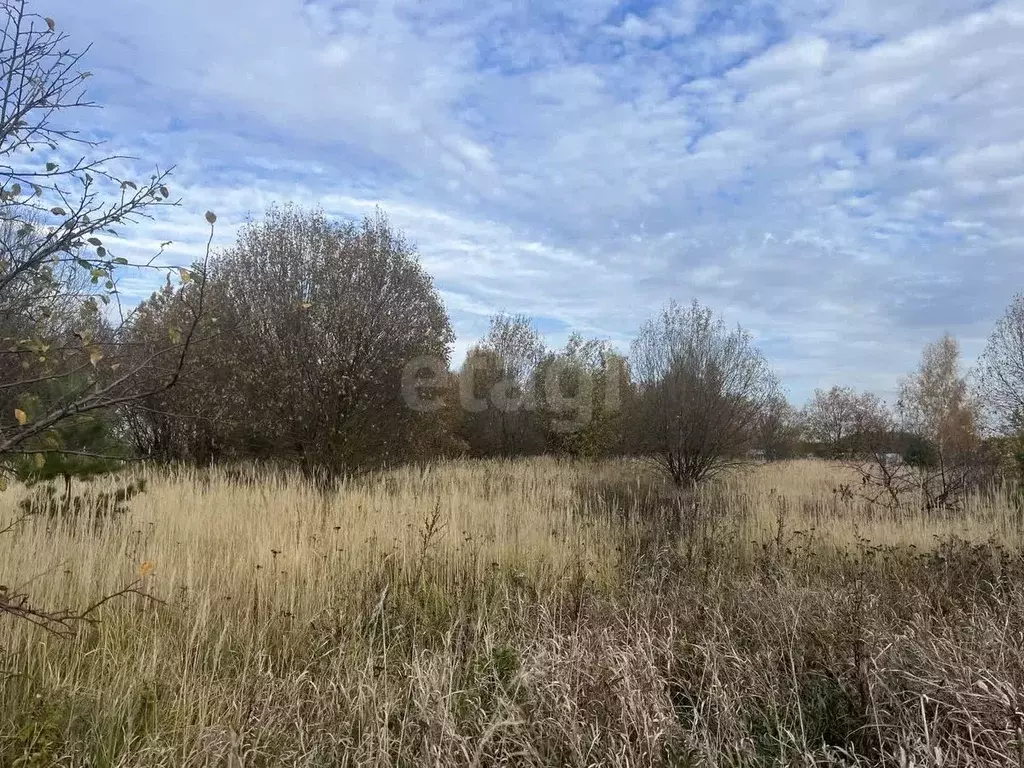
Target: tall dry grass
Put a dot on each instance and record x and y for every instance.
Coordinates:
(528, 613)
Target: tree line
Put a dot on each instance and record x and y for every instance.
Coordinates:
(324, 345)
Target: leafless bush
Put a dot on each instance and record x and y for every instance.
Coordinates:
(701, 389)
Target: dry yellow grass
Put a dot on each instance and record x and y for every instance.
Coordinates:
(533, 613)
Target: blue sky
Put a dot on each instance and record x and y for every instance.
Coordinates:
(845, 179)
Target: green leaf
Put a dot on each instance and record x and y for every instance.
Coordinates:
(51, 167)
(95, 241)
(120, 260)
(101, 251)
(165, 192)
(16, 189)
(58, 211)
(211, 217)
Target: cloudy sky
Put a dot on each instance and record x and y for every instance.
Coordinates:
(845, 179)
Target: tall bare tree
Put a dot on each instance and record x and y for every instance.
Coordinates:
(1001, 370)
(701, 389)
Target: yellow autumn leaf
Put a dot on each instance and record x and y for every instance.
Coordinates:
(21, 416)
(146, 568)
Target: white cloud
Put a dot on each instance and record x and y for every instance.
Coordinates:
(636, 29)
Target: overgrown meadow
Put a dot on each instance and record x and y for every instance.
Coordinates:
(537, 612)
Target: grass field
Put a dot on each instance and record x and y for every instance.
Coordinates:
(533, 613)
